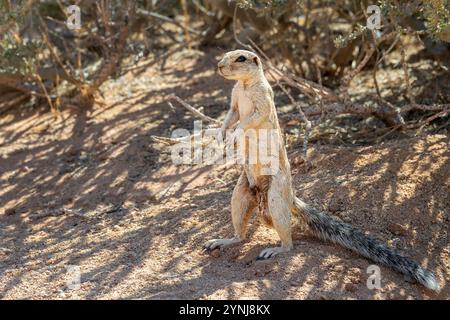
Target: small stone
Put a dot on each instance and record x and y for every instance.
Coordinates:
(103, 157)
(398, 229)
(350, 287)
(84, 156)
(73, 152)
(215, 253)
(68, 200)
(336, 204)
(10, 211)
(339, 268)
(395, 242)
(5, 250)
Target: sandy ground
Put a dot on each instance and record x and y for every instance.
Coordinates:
(92, 190)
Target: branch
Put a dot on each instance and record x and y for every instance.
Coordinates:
(305, 86)
(234, 31)
(305, 120)
(155, 15)
(424, 107)
(193, 110)
(349, 77)
(165, 140)
(110, 65)
(406, 76)
(8, 25)
(203, 9)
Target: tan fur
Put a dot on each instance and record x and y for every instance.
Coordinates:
(252, 107)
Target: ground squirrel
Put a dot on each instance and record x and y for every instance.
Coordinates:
(252, 107)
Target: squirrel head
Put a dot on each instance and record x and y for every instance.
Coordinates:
(240, 65)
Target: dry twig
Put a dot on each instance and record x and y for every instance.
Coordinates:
(193, 110)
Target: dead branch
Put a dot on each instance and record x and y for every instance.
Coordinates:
(155, 15)
(337, 105)
(234, 31)
(441, 114)
(62, 72)
(47, 96)
(379, 98)
(305, 120)
(10, 79)
(369, 52)
(109, 66)
(306, 86)
(186, 23)
(202, 8)
(8, 25)
(424, 107)
(193, 138)
(193, 110)
(406, 76)
(102, 8)
(165, 140)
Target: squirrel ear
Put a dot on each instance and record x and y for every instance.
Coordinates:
(255, 60)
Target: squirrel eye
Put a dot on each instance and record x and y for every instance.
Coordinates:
(241, 59)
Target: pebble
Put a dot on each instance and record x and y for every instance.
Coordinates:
(398, 229)
(350, 287)
(215, 253)
(10, 211)
(335, 206)
(295, 283)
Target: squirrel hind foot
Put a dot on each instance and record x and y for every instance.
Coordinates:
(272, 252)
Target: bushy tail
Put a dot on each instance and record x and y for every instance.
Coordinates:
(329, 229)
